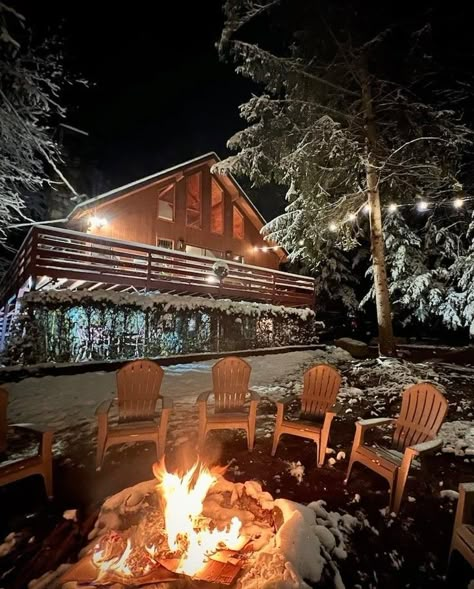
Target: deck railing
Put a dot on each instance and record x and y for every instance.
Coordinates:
(90, 261)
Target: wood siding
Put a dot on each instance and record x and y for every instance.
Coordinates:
(134, 217)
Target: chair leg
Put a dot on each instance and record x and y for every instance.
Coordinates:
(101, 446)
(399, 487)
(349, 469)
(202, 433)
(47, 474)
(250, 438)
(276, 440)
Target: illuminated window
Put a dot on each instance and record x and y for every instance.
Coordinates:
(237, 224)
(166, 203)
(193, 201)
(217, 208)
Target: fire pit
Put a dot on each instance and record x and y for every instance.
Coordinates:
(196, 526)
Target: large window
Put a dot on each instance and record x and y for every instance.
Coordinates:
(202, 251)
(193, 201)
(237, 224)
(217, 208)
(166, 203)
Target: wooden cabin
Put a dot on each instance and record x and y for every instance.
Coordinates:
(184, 208)
(160, 234)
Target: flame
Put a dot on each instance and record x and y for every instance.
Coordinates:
(188, 533)
(183, 498)
(117, 564)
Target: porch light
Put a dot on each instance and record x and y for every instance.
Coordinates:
(97, 222)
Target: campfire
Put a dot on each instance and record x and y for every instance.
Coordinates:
(173, 537)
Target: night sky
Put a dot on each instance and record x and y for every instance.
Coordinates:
(158, 93)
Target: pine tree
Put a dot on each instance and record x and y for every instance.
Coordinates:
(343, 118)
(30, 82)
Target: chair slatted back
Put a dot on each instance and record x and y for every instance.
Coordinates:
(138, 389)
(423, 410)
(3, 419)
(320, 388)
(230, 377)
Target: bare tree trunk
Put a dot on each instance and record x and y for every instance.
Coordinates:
(382, 297)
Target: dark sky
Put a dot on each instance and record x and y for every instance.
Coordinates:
(159, 94)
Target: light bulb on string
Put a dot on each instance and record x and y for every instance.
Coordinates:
(392, 207)
(366, 209)
(458, 203)
(332, 227)
(352, 217)
(422, 205)
(301, 242)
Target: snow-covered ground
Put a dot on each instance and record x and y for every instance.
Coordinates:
(67, 403)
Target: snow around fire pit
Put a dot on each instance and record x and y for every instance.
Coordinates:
(293, 544)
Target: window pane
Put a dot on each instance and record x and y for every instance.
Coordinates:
(193, 200)
(238, 224)
(166, 203)
(217, 208)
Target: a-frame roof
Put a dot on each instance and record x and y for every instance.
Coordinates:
(116, 193)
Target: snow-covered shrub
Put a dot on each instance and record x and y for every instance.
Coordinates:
(65, 326)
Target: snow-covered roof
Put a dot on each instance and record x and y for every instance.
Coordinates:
(156, 176)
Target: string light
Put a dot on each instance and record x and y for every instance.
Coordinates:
(366, 209)
(352, 217)
(332, 227)
(458, 203)
(301, 242)
(392, 207)
(422, 205)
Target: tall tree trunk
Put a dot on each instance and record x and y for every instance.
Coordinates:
(382, 297)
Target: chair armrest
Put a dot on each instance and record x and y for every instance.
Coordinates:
(288, 400)
(254, 396)
(104, 407)
(39, 430)
(424, 447)
(167, 402)
(203, 397)
(365, 424)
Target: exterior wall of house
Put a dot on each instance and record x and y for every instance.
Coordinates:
(134, 217)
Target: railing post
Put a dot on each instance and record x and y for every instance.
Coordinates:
(148, 273)
(273, 288)
(33, 255)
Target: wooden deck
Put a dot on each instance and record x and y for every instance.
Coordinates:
(63, 259)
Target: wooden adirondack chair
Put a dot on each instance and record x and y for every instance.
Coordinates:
(421, 416)
(138, 390)
(318, 407)
(463, 531)
(41, 464)
(230, 379)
